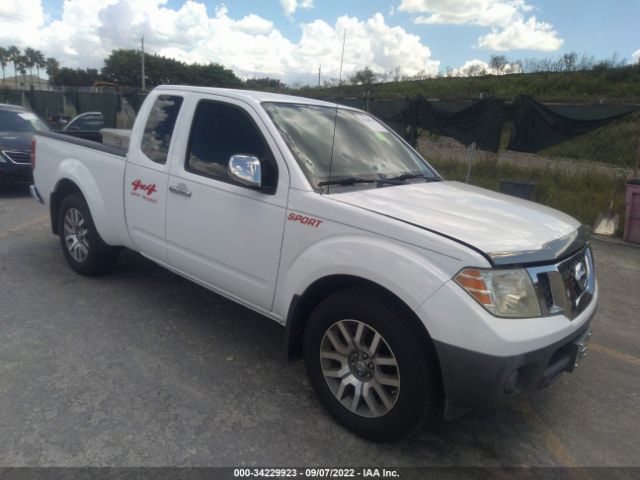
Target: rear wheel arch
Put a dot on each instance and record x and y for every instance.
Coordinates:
(63, 188)
(84, 249)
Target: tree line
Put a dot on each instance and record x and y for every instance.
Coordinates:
(497, 65)
(124, 67)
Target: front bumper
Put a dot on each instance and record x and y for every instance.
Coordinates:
(474, 380)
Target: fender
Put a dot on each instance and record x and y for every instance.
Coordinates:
(75, 171)
(401, 269)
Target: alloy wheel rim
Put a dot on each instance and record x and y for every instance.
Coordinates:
(360, 368)
(75, 235)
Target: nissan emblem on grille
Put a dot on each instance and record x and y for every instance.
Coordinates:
(580, 275)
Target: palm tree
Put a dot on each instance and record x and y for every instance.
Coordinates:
(4, 58)
(52, 67)
(14, 56)
(23, 63)
(40, 62)
(29, 59)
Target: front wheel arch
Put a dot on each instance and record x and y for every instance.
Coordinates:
(415, 386)
(302, 305)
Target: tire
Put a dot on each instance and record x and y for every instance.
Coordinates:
(81, 244)
(416, 401)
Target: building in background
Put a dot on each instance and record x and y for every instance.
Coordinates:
(25, 82)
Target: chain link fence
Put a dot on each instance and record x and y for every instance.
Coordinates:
(118, 109)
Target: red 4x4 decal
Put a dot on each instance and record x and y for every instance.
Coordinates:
(148, 189)
(143, 190)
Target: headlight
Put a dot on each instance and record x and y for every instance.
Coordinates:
(2, 159)
(504, 293)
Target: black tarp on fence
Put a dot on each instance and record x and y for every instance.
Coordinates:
(535, 126)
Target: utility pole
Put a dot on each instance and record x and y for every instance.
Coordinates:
(319, 71)
(142, 59)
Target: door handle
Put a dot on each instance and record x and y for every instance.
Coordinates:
(180, 189)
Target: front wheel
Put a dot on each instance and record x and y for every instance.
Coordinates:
(81, 244)
(369, 366)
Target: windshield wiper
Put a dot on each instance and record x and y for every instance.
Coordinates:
(346, 181)
(409, 176)
(378, 181)
(354, 180)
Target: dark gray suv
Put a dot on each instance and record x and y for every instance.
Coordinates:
(17, 127)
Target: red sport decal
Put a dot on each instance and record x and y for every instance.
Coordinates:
(305, 220)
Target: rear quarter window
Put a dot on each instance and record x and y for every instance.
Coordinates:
(158, 130)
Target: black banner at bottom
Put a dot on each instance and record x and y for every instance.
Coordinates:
(205, 473)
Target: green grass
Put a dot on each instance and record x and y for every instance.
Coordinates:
(615, 144)
(582, 195)
(619, 85)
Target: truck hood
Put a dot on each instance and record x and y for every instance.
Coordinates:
(506, 229)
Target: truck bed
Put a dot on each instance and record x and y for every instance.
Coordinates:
(97, 170)
(71, 138)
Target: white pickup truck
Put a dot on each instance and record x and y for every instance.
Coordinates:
(409, 296)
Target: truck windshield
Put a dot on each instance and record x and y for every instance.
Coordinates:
(365, 152)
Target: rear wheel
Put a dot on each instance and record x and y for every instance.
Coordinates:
(81, 244)
(369, 366)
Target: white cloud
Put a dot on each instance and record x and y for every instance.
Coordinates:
(511, 29)
(476, 67)
(526, 35)
(20, 19)
(290, 6)
(458, 12)
(636, 56)
(254, 24)
(251, 45)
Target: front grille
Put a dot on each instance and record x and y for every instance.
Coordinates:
(577, 273)
(545, 291)
(566, 287)
(17, 156)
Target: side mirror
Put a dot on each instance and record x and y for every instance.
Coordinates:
(246, 169)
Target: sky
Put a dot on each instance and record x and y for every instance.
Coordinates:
(292, 39)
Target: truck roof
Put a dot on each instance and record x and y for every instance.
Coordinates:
(251, 96)
(11, 108)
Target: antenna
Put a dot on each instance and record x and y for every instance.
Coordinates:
(142, 61)
(344, 39)
(335, 118)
